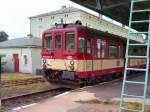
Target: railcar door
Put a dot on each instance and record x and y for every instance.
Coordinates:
(89, 56)
(58, 50)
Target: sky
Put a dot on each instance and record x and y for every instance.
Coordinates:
(14, 14)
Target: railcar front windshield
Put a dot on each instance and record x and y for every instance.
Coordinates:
(70, 37)
(47, 42)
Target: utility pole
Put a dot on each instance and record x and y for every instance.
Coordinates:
(0, 79)
(1, 76)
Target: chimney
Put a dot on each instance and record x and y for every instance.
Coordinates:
(63, 7)
(29, 36)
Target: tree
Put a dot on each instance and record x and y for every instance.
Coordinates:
(3, 36)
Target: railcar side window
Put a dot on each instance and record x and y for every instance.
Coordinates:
(113, 51)
(81, 42)
(58, 41)
(89, 50)
(101, 48)
(47, 41)
(70, 41)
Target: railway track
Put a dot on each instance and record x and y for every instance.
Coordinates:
(22, 82)
(20, 101)
(25, 99)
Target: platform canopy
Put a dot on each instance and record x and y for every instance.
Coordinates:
(118, 10)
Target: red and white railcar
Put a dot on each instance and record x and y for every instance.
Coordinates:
(74, 52)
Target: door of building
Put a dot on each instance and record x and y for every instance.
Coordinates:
(16, 62)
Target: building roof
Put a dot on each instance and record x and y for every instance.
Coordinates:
(22, 43)
(118, 10)
(60, 11)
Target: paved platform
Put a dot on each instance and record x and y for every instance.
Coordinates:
(67, 102)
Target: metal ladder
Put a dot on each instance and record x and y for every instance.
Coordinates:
(128, 56)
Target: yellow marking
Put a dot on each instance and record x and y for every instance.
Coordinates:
(112, 63)
(84, 65)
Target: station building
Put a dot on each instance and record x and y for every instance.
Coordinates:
(41, 22)
(21, 54)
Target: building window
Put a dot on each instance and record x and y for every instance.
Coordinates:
(40, 19)
(66, 15)
(113, 51)
(25, 60)
(52, 17)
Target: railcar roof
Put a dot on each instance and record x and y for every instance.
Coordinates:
(91, 30)
(118, 10)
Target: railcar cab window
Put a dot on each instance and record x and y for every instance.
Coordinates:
(113, 51)
(70, 41)
(81, 42)
(47, 41)
(58, 38)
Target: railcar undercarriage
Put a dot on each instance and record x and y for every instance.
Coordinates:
(68, 79)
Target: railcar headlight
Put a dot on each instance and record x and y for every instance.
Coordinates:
(44, 60)
(71, 62)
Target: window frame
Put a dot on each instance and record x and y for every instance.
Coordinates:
(66, 42)
(55, 39)
(101, 41)
(25, 60)
(117, 50)
(89, 47)
(81, 37)
(50, 41)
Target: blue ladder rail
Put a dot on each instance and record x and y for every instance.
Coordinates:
(146, 57)
(138, 11)
(141, 21)
(130, 32)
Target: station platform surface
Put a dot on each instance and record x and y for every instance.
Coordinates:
(67, 102)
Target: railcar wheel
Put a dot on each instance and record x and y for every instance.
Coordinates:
(47, 74)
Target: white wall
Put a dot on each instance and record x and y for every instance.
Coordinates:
(36, 59)
(9, 67)
(39, 24)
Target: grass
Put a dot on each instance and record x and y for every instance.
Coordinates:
(22, 89)
(1, 109)
(135, 106)
(148, 94)
(16, 76)
(96, 101)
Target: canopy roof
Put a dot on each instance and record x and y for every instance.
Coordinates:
(119, 10)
